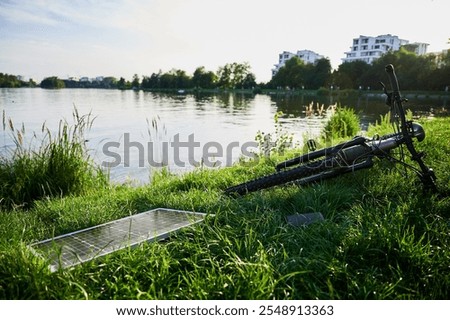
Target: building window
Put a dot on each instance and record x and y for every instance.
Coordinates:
(355, 48)
(377, 47)
(355, 41)
(364, 48)
(365, 40)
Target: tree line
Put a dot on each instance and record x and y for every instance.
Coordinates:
(11, 81)
(425, 72)
(415, 72)
(230, 76)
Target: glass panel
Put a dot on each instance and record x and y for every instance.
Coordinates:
(84, 245)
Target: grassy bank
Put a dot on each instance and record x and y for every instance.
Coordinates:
(382, 238)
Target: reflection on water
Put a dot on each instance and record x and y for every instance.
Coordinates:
(220, 124)
(369, 106)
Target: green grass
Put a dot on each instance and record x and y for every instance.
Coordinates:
(342, 124)
(382, 238)
(59, 166)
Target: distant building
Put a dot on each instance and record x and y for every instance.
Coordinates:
(307, 56)
(419, 48)
(439, 57)
(368, 49)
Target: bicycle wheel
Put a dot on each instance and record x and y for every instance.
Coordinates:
(283, 177)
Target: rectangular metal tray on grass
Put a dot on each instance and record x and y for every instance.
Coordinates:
(80, 246)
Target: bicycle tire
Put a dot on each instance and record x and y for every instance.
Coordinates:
(282, 177)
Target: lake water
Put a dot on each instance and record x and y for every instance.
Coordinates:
(134, 132)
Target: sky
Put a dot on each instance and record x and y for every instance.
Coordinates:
(120, 38)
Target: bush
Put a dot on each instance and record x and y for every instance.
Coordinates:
(59, 167)
(322, 91)
(274, 143)
(52, 83)
(342, 124)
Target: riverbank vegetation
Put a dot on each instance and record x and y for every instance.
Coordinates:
(382, 238)
(58, 166)
(12, 81)
(52, 83)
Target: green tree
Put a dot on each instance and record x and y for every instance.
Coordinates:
(232, 75)
(240, 72)
(109, 82)
(291, 75)
(350, 75)
(31, 83)
(440, 75)
(52, 83)
(136, 83)
(122, 84)
(413, 71)
(168, 80)
(249, 81)
(225, 75)
(146, 84)
(10, 81)
(204, 79)
(152, 82)
(445, 59)
(318, 74)
(174, 79)
(182, 80)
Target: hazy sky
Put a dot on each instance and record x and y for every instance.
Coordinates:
(41, 38)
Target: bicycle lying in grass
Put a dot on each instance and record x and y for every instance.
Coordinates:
(352, 155)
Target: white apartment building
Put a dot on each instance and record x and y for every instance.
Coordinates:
(419, 48)
(307, 56)
(368, 48)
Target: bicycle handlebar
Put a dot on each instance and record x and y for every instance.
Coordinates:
(393, 79)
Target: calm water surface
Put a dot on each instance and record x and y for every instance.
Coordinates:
(126, 119)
